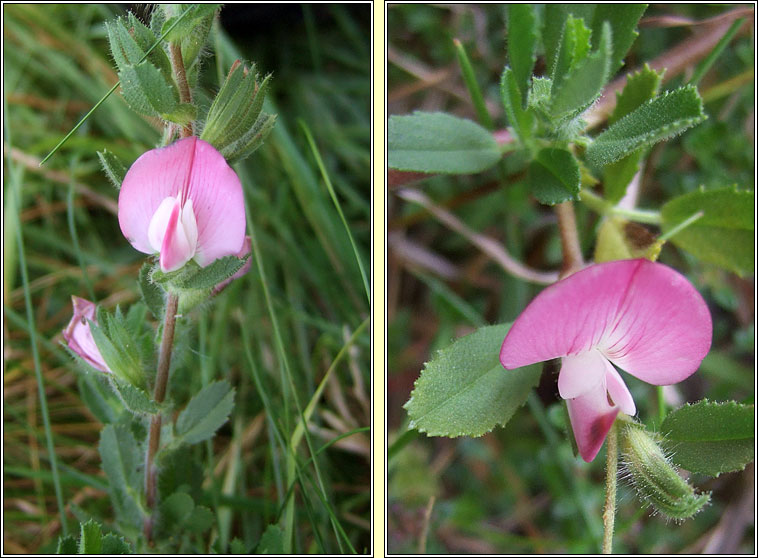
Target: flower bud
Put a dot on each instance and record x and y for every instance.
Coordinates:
(655, 478)
(78, 334)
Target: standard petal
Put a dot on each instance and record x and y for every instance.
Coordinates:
(662, 330)
(154, 176)
(582, 373)
(570, 316)
(218, 203)
(591, 418)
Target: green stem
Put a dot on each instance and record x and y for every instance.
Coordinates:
(604, 207)
(572, 250)
(611, 476)
(469, 79)
(161, 381)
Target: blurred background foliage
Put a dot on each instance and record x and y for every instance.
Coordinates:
(519, 489)
(56, 67)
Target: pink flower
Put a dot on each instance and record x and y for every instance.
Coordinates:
(185, 202)
(642, 316)
(78, 335)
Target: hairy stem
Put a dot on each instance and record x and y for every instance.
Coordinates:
(161, 381)
(611, 470)
(572, 251)
(180, 74)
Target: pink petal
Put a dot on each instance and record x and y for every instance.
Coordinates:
(175, 248)
(78, 334)
(219, 206)
(645, 317)
(568, 317)
(582, 373)
(662, 330)
(591, 418)
(618, 392)
(189, 169)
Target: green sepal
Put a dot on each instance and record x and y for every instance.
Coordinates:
(118, 347)
(113, 168)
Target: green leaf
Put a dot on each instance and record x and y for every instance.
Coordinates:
(113, 544)
(125, 50)
(573, 49)
(134, 399)
(439, 143)
(186, 26)
(181, 114)
(90, 538)
(174, 511)
(522, 121)
(272, 541)
(711, 438)
(640, 88)
(200, 520)
(554, 21)
(146, 90)
(522, 43)
(583, 85)
(113, 167)
(238, 547)
(122, 462)
(724, 236)
(145, 39)
(152, 293)
(622, 19)
(67, 545)
(554, 176)
(663, 117)
(206, 412)
(539, 94)
(179, 472)
(465, 391)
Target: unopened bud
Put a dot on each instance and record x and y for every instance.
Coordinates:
(655, 478)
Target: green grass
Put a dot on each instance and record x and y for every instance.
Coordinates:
(300, 314)
(519, 489)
